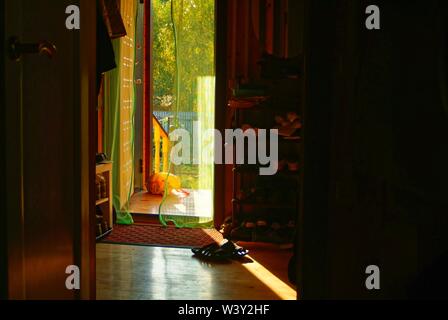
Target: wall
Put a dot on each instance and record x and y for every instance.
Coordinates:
(376, 152)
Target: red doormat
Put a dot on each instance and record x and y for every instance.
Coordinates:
(152, 235)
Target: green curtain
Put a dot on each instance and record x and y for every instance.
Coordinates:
(119, 115)
(188, 30)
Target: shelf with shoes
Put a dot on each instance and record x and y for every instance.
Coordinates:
(284, 168)
(263, 231)
(265, 207)
(103, 201)
(273, 197)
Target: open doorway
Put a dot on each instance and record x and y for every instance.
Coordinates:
(158, 101)
(181, 100)
(166, 84)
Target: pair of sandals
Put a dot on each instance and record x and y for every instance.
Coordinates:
(222, 251)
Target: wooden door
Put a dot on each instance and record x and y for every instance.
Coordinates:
(49, 113)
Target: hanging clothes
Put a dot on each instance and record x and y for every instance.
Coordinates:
(105, 57)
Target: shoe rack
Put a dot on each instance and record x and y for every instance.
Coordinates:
(103, 193)
(264, 208)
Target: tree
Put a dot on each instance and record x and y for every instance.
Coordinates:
(195, 40)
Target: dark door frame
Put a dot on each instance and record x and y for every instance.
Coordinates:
(313, 247)
(220, 103)
(85, 242)
(3, 228)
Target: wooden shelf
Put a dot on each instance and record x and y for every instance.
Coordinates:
(282, 245)
(265, 106)
(254, 169)
(105, 169)
(257, 239)
(290, 139)
(263, 205)
(101, 201)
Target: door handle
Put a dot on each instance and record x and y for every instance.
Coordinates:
(18, 49)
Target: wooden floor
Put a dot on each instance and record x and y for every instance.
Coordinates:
(155, 273)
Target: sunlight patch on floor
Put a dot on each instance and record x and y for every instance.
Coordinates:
(283, 290)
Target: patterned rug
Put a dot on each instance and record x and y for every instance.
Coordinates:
(154, 235)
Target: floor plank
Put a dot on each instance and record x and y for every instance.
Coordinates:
(155, 273)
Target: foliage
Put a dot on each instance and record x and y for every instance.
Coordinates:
(194, 21)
